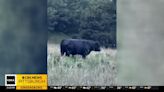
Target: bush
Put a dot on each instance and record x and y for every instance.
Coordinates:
(105, 39)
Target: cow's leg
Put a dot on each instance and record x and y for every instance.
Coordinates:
(83, 56)
(62, 53)
(62, 50)
(67, 54)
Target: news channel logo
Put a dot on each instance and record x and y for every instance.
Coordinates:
(10, 79)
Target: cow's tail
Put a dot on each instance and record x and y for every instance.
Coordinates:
(62, 48)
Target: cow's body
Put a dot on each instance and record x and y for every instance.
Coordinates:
(78, 47)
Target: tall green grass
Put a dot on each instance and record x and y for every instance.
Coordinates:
(99, 68)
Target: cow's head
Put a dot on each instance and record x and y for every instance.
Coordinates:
(96, 46)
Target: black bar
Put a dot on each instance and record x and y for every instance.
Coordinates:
(93, 88)
(105, 87)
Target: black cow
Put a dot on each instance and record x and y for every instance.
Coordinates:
(78, 47)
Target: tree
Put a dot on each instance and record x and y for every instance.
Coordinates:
(87, 19)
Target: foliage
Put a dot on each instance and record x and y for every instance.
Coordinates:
(84, 19)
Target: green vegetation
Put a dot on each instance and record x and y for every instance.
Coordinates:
(96, 69)
(57, 37)
(87, 19)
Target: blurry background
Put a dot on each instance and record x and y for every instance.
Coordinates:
(140, 34)
(23, 38)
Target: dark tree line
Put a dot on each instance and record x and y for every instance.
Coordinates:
(87, 19)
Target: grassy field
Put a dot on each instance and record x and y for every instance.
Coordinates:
(99, 68)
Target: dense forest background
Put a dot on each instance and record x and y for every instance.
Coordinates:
(86, 19)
